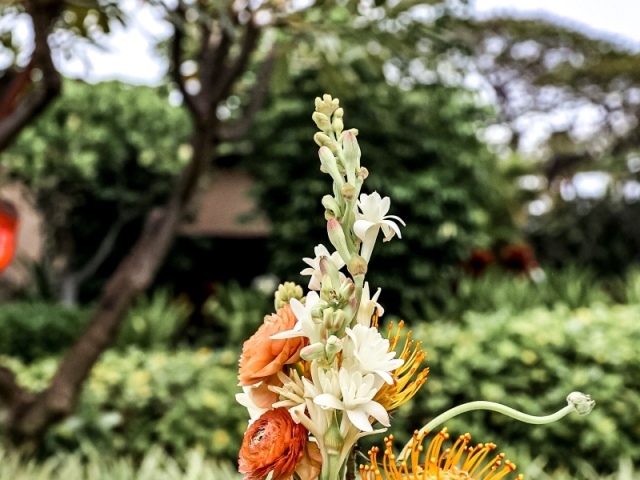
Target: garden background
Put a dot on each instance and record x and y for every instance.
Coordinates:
(154, 223)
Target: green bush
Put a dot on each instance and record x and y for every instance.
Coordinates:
(38, 329)
(531, 360)
(154, 321)
(497, 289)
(34, 330)
(156, 465)
(235, 313)
(136, 399)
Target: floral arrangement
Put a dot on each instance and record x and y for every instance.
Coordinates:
(318, 375)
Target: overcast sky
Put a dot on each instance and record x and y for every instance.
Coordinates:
(131, 58)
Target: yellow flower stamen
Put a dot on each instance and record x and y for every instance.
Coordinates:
(460, 462)
(403, 388)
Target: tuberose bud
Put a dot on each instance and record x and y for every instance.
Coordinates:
(357, 265)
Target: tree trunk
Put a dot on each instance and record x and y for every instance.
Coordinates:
(30, 416)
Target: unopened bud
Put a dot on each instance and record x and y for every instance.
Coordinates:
(357, 265)
(322, 139)
(348, 191)
(347, 289)
(329, 165)
(327, 292)
(351, 149)
(581, 402)
(313, 351)
(327, 267)
(363, 173)
(332, 319)
(333, 441)
(333, 347)
(331, 204)
(337, 238)
(321, 121)
(286, 292)
(338, 125)
(328, 215)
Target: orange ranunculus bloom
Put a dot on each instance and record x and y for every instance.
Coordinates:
(262, 358)
(273, 443)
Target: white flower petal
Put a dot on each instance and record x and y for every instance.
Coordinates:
(326, 400)
(360, 420)
(378, 412)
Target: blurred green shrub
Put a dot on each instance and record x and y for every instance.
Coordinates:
(496, 289)
(136, 399)
(154, 321)
(531, 360)
(156, 465)
(235, 313)
(31, 330)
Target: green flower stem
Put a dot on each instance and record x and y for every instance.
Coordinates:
(494, 407)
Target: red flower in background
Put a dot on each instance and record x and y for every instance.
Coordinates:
(8, 233)
(519, 258)
(478, 261)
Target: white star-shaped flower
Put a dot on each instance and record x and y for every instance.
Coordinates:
(367, 306)
(366, 350)
(305, 326)
(357, 393)
(371, 218)
(314, 266)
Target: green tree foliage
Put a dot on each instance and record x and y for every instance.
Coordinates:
(582, 93)
(99, 159)
(421, 149)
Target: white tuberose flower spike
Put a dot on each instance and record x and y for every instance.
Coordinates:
(314, 266)
(371, 218)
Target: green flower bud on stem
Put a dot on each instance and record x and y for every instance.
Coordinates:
(331, 204)
(322, 140)
(337, 238)
(338, 125)
(348, 191)
(351, 149)
(314, 351)
(581, 403)
(327, 267)
(329, 164)
(286, 292)
(322, 121)
(333, 347)
(357, 265)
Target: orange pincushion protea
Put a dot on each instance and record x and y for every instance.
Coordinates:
(459, 462)
(262, 358)
(273, 443)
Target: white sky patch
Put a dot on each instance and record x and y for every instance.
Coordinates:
(615, 20)
(591, 184)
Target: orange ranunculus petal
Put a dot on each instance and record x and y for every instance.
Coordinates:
(263, 357)
(273, 443)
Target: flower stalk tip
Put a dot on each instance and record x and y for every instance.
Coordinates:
(581, 403)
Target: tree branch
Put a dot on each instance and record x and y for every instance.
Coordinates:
(239, 128)
(42, 14)
(176, 61)
(227, 76)
(132, 276)
(104, 249)
(10, 391)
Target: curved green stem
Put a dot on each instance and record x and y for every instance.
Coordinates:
(494, 407)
